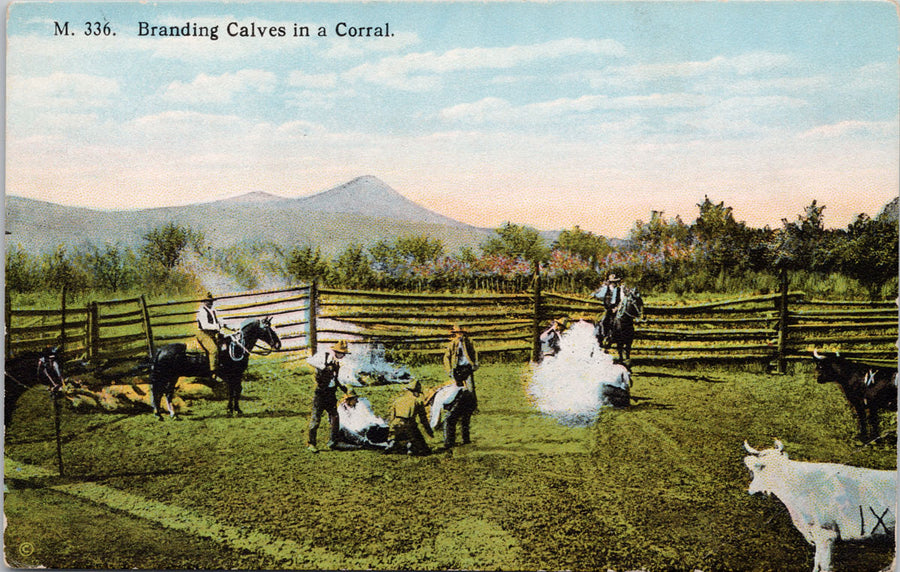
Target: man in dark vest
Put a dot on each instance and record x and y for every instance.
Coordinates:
(325, 396)
(460, 361)
(610, 294)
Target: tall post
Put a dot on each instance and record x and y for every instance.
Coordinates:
(145, 315)
(56, 425)
(62, 324)
(536, 316)
(94, 330)
(7, 332)
(312, 337)
(781, 366)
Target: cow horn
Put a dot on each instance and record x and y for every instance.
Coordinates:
(779, 446)
(816, 354)
(750, 449)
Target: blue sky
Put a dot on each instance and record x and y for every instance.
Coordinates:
(550, 114)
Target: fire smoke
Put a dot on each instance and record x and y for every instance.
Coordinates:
(569, 385)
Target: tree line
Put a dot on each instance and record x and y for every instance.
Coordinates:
(714, 253)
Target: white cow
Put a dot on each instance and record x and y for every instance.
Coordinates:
(826, 501)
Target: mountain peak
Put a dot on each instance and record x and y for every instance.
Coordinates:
(253, 197)
(370, 196)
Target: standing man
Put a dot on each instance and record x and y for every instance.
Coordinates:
(406, 410)
(210, 331)
(460, 361)
(325, 397)
(610, 294)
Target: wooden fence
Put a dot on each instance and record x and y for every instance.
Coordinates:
(771, 329)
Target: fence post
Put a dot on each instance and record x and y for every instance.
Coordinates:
(94, 330)
(312, 337)
(536, 317)
(145, 314)
(781, 365)
(7, 334)
(62, 324)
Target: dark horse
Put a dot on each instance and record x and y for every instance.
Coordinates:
(621, 332)
(27, 370)
(173, 361)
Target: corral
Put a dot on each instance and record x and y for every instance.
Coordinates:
(658, 486)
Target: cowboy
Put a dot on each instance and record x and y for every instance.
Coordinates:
(460, 361)
(360, 427)
(48, 370)
(406, 410)
(550, 338)
(210, 335)
(325, 398)
(610, 294)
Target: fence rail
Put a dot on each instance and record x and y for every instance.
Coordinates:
(773, 328)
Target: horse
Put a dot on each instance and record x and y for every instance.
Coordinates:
(172, 361)
(28, 370)
(621, 332)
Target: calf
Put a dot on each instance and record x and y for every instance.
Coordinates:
(826, 501)
(868, 389)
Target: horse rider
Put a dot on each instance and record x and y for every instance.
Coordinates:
(550, 338)
(610, 294)
(460, 361)
(406, 410)
(210, 335)
(325, 398)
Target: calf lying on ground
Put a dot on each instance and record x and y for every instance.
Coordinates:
(826, 501)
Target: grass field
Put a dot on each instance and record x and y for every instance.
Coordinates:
(659, 486)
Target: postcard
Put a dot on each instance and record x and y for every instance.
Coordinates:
(451, 285)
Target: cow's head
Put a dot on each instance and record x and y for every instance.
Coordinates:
(827, 366)
(764, 466)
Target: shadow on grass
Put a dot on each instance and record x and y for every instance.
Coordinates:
(281, 413)
(690, 377)
(648, 403)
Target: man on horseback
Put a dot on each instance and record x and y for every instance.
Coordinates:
(210, 335)
(610, 294)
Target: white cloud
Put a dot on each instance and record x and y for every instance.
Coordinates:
(420, 71)
(845, 129)
(496, 109)
(724, 68)
(312, 81)
(342, 48)
(205, 89)
(61, 91)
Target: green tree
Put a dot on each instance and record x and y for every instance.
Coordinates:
(166, 245)
(59, 270)
(584, 244)
(23, 272)
(516, 241)
(724, 240)
(352, 269)
(306, 264)
(112, 268)
(869, 253)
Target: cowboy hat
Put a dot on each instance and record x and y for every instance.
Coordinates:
(340, 347)
(456, 329)
(613, 278)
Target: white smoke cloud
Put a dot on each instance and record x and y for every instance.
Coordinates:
(569, 386)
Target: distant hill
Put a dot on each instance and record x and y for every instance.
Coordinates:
(364, 210)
